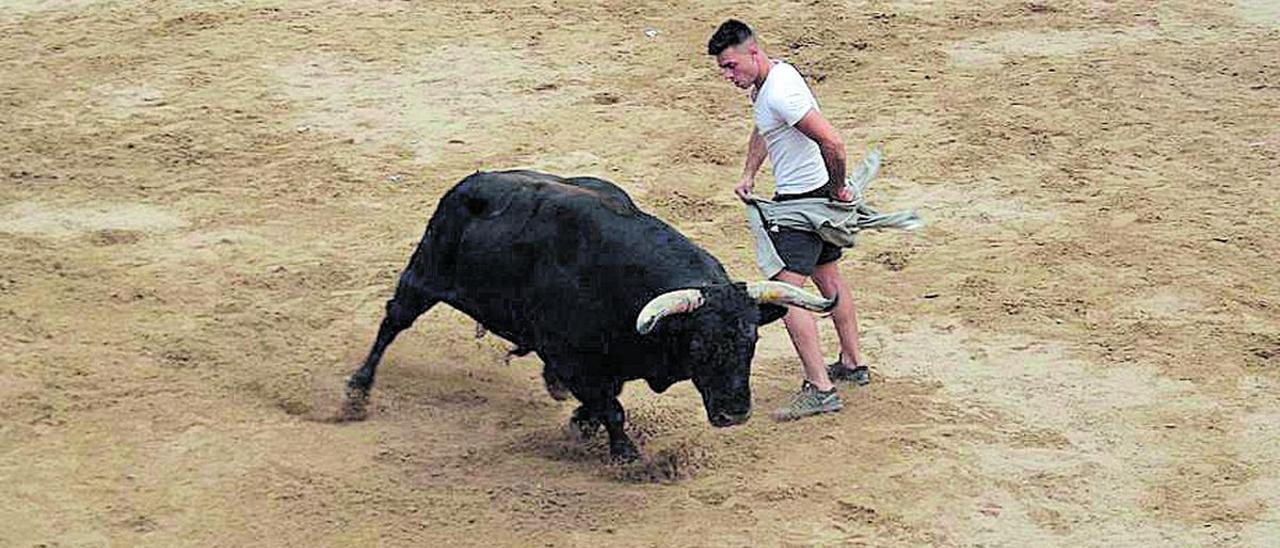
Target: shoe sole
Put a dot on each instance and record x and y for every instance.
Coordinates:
(849, 378)
(828, 408)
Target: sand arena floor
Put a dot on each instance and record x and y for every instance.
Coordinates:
(203, 206)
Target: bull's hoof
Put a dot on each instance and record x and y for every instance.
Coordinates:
(583, 425)
(623, 451)
(356, 406)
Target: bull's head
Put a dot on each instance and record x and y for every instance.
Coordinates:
(720, 328)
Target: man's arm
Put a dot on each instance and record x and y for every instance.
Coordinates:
(816, 127)
(755, 158)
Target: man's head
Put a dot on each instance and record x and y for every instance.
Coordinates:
(736, 51)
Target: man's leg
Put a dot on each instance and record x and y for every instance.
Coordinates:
(800, 251)
(845, 317)
(804, 336)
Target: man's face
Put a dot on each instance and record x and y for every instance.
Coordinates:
(738, 65)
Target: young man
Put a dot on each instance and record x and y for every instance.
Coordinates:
(808, 161)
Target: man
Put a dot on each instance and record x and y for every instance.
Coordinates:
(808, 160)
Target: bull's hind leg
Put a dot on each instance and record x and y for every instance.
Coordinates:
(584, 423)
(554, 384)
(410, 301)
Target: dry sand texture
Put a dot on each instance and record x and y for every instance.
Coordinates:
(204, 204)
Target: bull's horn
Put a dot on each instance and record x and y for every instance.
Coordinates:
(785, 293)
(666, 304)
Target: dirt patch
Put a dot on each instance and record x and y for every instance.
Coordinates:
(23, 8)
(1259, 12)
(416, 107)
(33, 218)
(993, 50)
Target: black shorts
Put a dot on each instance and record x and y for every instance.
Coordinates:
(802, 251)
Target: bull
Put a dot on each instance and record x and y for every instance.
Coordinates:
(602, 292)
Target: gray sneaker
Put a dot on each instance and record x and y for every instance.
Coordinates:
(859, 375)
(809, 401)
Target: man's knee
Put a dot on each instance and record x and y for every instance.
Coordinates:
(827, 278)
(794, 278)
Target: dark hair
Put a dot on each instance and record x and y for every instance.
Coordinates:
(731, 33)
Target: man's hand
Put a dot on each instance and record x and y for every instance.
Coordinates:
(842, 193)
(743, 190)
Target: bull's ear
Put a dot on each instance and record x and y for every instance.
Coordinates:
(770, 313)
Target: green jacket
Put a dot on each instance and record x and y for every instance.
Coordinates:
(836, 222)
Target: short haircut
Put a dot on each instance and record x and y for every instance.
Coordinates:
(731, 33)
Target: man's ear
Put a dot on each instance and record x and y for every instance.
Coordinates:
(770, 313)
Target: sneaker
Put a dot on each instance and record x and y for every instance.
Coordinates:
(858, 375)
(809, 401)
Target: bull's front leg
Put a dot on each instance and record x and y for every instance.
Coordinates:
(600, 404)
(621, 449)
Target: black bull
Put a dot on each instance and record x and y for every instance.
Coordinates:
(571, 269)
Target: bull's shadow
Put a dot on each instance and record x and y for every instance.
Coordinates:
(497, 415)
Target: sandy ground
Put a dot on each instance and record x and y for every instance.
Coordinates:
(204, 205)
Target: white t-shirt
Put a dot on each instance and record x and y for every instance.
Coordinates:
(781, 101)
